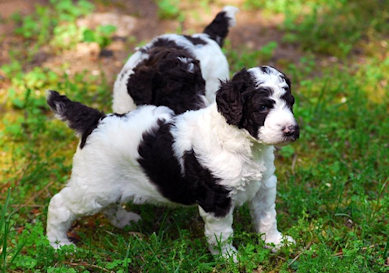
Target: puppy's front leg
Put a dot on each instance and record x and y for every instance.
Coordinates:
(218, 230)
(263, 212)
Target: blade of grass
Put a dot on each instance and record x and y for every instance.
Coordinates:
(4, 226)
(125, 264)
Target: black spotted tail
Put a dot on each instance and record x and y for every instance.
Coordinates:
(218, 28)
(79, 117)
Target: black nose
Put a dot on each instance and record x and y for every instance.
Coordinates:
(292, 131)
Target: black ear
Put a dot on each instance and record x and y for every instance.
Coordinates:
(229, 103)
(229, 98)
(140, 85)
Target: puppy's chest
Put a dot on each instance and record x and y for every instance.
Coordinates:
(249, 183)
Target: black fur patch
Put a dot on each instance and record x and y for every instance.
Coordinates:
(229, 98)
(243, 104)
(160, 42)
(79, 117)
(257, 105)
(265, 69)
(195, 40)
(164, 79)
(218, 28)
(119, 115)
(196, 186)
(288, 97)
(163, 42)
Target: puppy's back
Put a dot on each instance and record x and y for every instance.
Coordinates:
(113, 130)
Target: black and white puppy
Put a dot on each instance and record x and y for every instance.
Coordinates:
(174, 70)
(217, 158)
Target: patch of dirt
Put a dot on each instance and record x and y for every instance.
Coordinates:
(124, 24)
(148, 25)
(8, 41)
(9, 7)
(253, 31)
(139, 19)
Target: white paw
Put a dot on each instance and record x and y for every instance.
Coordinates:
(124, 218)
(230, 252)
(277, 240)
(57, 244)
(227, 251)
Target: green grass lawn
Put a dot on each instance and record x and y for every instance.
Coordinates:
(332, 191)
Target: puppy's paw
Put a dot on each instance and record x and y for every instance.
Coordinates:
(229, 253)
(56, 244)
(277, 240)
(226, 251)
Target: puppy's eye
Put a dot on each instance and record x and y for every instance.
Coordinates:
(263, 108)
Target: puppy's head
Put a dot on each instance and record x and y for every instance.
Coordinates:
(260, 101)
(170, 77)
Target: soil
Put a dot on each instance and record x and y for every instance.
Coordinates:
(139, 19)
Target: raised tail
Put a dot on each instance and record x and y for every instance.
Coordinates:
(218, 28)
(79, 117)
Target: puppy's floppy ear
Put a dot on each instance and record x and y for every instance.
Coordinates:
(229, 98)
(140, 84)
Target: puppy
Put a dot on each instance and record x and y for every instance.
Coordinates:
(173, 70)
(217, 158)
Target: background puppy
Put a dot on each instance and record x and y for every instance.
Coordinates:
(218, 157)
(171, 69)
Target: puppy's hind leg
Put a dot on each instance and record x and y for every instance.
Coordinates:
(67, 205)
(59, 220)
(119, 217)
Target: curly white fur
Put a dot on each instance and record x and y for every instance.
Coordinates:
(106, 170)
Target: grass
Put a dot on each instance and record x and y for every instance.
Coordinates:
(332, 192)
(327, 27)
